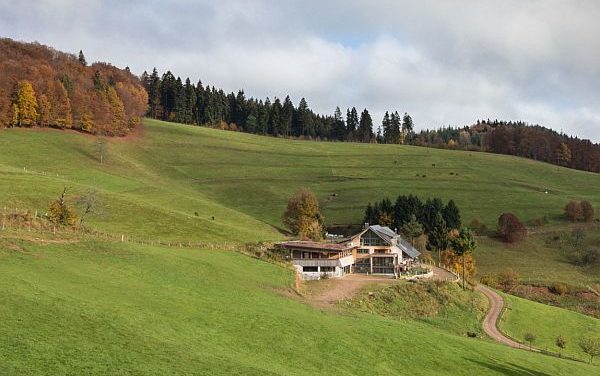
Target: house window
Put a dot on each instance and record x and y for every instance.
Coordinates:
(327, 269)
(370, 239)
(362, 265)
(363, 251)
(383, 265)
(380, 251)
(310, 269)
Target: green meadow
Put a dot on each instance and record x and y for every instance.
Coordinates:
(154, 185)
(81, 305)
(547, 323)
(92, 307)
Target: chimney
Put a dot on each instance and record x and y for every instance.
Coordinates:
(366, 226)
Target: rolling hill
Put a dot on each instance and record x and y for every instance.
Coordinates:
(82, 304)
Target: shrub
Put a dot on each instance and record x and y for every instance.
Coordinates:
(488, 279)
(529, 338)
(587, 211)
(558, 288)
(591, 256)
(591, 346)
(478, 227)
(573, 211)
(510, 228)
(61, 213)
(507, 279)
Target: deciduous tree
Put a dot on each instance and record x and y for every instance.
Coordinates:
(303, 215)
(25, 105)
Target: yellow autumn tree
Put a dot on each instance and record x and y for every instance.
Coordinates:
(303, 215)
(25, 105)
(45, 111)
(117, 108)
(62, 115)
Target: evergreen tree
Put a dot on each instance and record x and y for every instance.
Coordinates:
(287, 116)
(81, 58)
(338, 131)
(438, 236)
(365, 127)
(407, 127)
(351, 124)
(431, 209)
(386, 125)
(451, 215)
(275, 119)
(395, 124)
(412, 229)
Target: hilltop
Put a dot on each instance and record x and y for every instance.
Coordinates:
(43, 87)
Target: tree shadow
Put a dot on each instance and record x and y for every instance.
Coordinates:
(509, 369)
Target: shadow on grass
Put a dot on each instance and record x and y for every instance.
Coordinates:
(510, 369)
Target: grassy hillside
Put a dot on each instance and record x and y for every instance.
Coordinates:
(547, 323)
(103, 308)
(153, 185)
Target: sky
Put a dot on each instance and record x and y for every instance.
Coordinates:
(446, 62)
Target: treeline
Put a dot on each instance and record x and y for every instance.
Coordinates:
(516, 138)
(171, 99)
(40, 86)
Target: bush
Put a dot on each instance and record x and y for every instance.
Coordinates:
(587, 211)
(558, 288)
(573, 211)
(510, 228)
(488, 280)
(478, 227)
(507, 279)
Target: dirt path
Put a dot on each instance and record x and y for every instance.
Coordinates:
(490, 324)
(326, 293)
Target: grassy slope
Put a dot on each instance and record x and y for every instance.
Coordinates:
(539, 259)
(189, 310)
(151, 186)
(547, 323)
(98, 308)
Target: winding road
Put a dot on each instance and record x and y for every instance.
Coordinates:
(490, 324)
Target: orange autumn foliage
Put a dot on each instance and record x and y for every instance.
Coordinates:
(65, 94)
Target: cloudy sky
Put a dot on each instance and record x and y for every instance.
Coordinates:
(446, 62)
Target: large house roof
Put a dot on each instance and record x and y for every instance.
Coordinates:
(316, 246)
(407, 248)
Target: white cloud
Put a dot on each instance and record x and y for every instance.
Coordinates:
(445, 62)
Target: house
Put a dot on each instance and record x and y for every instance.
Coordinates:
(375, 250)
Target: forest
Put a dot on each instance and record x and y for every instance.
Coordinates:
(43, 87)
(515, 138)
(169, 98)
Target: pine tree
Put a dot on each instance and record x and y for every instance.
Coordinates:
(275, 119)
(451, 215)
(365, 127)
(287, 116)
(438, 237)
(386, 125)
(338, 130)
(407, 127)
(25, 105)
(81, 58)
(395, 124)
(351, 123)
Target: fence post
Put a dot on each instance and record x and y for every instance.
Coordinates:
(122, 238)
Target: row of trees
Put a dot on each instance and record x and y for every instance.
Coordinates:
(172, 99)
(40, 86)
(516, 138)
(408, 208)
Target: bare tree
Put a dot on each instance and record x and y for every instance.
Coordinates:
(100, 148)
(88, 201)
